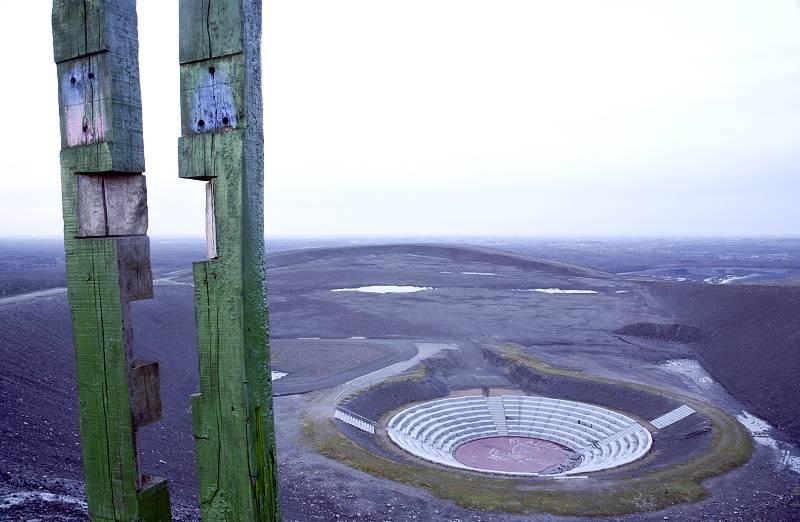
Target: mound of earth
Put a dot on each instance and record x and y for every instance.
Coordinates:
(452, 253)
(679, 333)
(752, 342)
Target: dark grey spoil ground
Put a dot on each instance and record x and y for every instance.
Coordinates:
(38, 427)
(751, 344)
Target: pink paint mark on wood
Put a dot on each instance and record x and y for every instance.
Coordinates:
(84, 114)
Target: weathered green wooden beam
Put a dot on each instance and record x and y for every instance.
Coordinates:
(222, 144)
(104, 201)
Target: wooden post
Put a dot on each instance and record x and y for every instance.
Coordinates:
(104, 201)
(222, 145)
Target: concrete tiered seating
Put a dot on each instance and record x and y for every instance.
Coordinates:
(604, 439)
(355, 420)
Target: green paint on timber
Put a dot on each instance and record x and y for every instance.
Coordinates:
(210, 28)
(96, 51)
(222, 144)
(99, 322)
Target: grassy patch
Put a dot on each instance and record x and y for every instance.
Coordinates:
(419, 373)
(730, 447)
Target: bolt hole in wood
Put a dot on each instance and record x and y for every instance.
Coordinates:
(212, 101)
(83, 107)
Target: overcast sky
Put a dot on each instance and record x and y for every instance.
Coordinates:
(462, 117)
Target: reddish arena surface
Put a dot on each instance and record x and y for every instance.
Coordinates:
(512, 454)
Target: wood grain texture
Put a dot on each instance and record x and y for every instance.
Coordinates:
(84, 88)
(104, 196)
(154, 502)
(79, 28)
(208, 155)
(211, 222)
(114, 205)
(136, 277)
(105, 67)
(211, 95)
(145, 393)
(232, 415)
(100, 324)
(209, 29)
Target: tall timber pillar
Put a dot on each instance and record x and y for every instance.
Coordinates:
(222, 145)
(104, 201)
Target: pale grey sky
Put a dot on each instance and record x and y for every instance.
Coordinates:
(465, 117)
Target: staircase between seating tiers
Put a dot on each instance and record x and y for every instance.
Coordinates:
(671, 417)
(498, 414)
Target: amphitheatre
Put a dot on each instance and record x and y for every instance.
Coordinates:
(545, 435)
(449, 382)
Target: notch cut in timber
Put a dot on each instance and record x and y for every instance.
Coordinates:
(222, 145)
(104, 204)
(145, 393)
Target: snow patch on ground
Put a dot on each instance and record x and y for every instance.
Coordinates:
(479, 273)
(724, 280)
(21, 497)
(385, 289)
(278, 375)
(793, 463)
(689, 368)
(554, 291)
(755, 425)
(760, 429)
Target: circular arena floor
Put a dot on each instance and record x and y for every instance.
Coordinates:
(519, 435)
(515, 454)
